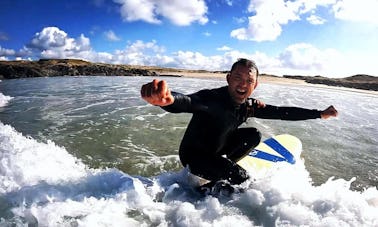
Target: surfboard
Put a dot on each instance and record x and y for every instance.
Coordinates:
(280, 148)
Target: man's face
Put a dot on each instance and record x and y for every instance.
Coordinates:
(241, 83)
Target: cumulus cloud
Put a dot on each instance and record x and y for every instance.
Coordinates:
(181, 13)
(140, 53)
(111, 36)
(52, 42)
(269, 16)
(133, 10)
(361, 11)
(300, 58)
(313, 19)
(6, 52)
(306, 59)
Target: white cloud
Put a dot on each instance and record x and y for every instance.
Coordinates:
(181, 13)
(6, 52)
(52, 42)
(140, 53)
(361, 11)
(133, 10)
(316, 20)
(311, 5)
(306, 59)
(296, 59)
(111, 36)
(229, 2)
(224, 48)
(207, 34)
(240, 20)
(49, 37)
(269, 16)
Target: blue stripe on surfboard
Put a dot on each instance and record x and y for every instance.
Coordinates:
(275, 145)
(266, 156)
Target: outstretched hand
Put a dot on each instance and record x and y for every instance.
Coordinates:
(157, 93)
(329, 112)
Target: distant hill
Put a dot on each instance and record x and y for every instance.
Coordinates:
(360, 81)
(66, 67)
(76, 67)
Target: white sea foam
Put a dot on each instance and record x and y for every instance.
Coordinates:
(4, 99)
(43, 184)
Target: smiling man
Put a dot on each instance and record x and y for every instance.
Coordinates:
(213, 141)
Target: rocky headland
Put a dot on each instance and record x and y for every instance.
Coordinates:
(75, 67)
(67, 67)
(360, 81)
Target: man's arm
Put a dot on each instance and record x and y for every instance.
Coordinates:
(292, 113)
(157, 93)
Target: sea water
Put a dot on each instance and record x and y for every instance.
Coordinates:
(88, 151)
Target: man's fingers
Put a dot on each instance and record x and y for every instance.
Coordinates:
(162, 88)
(169, 98)
(155, 84)
(143, 91)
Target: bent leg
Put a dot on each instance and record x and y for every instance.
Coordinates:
(241, 143)
(215, 168)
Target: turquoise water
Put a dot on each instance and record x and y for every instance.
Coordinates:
(98, 133)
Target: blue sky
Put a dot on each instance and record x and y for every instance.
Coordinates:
(334, 38)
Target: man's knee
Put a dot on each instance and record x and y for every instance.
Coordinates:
(257, 137)
(252, 136)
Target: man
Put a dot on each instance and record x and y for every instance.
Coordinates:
(214, 129)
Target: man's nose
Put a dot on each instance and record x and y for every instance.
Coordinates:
(243, 83)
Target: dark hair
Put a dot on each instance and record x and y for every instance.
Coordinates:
(245, 62)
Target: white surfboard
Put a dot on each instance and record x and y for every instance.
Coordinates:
(280, 148)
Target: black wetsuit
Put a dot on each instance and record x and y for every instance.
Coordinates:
(214, 131)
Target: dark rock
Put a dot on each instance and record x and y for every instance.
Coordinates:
(67, 67)
(360, 81)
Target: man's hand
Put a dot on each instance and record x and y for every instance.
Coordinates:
(329, 112)
(260, 104)
(157, 93)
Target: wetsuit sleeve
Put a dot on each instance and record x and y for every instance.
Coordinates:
(285, 113)
(185, 103)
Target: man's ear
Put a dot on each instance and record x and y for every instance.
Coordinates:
(228, 78)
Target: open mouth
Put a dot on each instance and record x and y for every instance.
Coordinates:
(241, 92)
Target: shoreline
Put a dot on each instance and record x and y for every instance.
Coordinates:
(75, 67)
(270, 80)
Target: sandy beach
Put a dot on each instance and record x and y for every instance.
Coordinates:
(270, 80)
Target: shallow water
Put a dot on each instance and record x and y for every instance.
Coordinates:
(84, 150)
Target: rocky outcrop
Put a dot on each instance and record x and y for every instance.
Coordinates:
(360, 81)
(66, 67)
